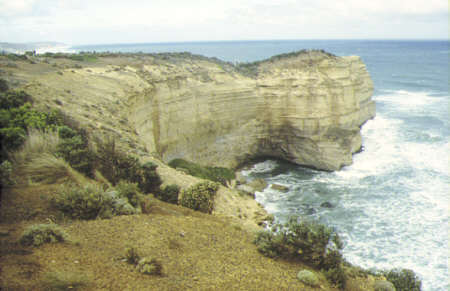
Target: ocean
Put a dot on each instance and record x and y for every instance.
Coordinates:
(391, 206)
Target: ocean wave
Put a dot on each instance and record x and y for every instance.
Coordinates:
(408, 100)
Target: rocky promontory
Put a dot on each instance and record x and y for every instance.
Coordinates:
(303, 107)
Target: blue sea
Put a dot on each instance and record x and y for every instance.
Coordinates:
(391, 205)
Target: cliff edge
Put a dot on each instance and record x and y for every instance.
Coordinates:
(303, 107)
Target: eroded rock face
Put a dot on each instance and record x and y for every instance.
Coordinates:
(305, 108)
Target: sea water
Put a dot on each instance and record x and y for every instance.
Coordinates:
(391, 206)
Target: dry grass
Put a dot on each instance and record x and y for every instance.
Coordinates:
(37, 160)
(37, 143)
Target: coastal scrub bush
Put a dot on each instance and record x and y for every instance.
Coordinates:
(307, 277)
(150, 181)
(6, 170)
(91, 201)
(403, 279)
(39, 234)
(115, 165)
(130, 192)
(169, 194)
(149, 266)
(308, 241)
(74, 148)
(200, 196)
(87, 202)
(16, 118)
(216, 174)
(12, 99)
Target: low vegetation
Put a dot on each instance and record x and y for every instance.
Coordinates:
(149, 266)
(307, 241)
(403, 279)
(216, 174)
(131, 255)
(91, 201)
(146, 265)
(169, 194)
(115, 165)
(252, 69)
(37, 235)
(199, 197)
(17, 116)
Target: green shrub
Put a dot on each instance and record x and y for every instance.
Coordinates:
(200, 196)
(88, 202)
(91, 201)
(169, 194)
(6, 173)
(40, 234)
(17, 116)
(13, 99)
(149, 266)
(216, 174)
(131, 255)
(62, 281)
(74, 148)
(309, 278)
(115, 165)
(130, 192)
(404, 279)
(308, 241)
(150, 181)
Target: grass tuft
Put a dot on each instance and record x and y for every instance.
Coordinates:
(39, 234)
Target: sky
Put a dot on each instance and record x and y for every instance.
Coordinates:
(78, 22)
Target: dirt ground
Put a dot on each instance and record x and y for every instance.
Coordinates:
(197, 251)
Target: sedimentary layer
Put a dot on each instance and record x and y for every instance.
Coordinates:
(305, 107)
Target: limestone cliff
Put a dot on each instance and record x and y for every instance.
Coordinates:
(305, 108)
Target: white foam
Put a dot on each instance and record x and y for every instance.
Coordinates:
(407, 99)
(263, 167)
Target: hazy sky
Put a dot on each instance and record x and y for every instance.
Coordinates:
(111, 21)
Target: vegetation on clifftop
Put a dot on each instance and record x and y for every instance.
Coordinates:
(308, 241)
(216, 174)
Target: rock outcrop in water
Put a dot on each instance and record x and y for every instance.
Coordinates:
(305, 107)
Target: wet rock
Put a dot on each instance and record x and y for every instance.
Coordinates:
(280, 188)
(327, 205)
(310, 211)
(258, 185)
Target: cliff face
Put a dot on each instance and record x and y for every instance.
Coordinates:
(305, 108)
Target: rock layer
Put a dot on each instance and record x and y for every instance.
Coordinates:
(306, 108)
